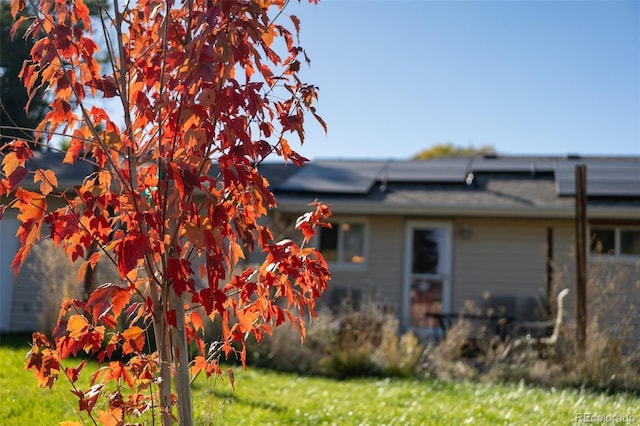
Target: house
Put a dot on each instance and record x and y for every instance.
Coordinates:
(428, 236)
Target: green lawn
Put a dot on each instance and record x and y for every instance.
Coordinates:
(263, 397)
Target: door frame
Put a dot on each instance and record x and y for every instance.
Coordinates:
(447, 261)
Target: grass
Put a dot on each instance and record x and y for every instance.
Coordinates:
(264, 397)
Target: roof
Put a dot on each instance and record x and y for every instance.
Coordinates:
(483, 186)
(507, 186)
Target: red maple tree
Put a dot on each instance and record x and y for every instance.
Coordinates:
(176, 195)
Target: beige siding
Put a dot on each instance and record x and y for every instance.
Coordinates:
(387, 258)
(504, 257)
(27, 300)
(8, 248)
(500, 257)
(381, 275)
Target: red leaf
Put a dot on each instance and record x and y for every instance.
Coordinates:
(17, 176)
(213, 299)
(89, 399)
(107, 297)
(172, 320)
(296, 23)
(130, 251)
(73, 373)
(106, 84)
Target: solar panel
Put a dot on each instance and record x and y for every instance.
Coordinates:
(357, 177)
(341, 177)
(427, 171)
(612, 177)
(507, 164)
(615, 177)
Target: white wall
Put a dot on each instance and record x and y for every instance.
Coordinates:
(8, 249)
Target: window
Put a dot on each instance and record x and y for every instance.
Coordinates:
(615, 241)
(343, 243)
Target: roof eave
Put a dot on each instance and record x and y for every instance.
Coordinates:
(365, 208)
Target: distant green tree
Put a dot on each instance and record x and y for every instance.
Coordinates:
(15, 122)
(450, 150)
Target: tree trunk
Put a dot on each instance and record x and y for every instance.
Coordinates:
(181, 362)
(161, 332)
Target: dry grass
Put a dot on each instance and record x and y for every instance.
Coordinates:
(58, 280)
(610, 360)
(613, 330)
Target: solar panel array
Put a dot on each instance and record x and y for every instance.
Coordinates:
(358, 177)
(614, 177)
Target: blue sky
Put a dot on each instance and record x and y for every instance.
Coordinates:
(527, 77)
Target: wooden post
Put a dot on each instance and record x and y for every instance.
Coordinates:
(581, 259)
(550, 298)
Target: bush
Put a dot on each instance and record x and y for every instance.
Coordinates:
(610, 361)
(55, 278)
(61, 282)
(349, 343)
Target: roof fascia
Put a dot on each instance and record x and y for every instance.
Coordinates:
(543, 212)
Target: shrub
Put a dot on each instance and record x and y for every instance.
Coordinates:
(613, 330)
(397, 356)
(348, 343)
(284, 351)
(62, 282)
(610, 361)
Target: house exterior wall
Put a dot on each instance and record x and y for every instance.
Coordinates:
(612, 289)
(380, 276)
(499, 257)
(28, 297)
(8, 249)
(504, 257)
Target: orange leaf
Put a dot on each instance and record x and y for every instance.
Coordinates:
(199, 364)
(94, 258)
(77, 326)
(47, 179)
(112, 417)
(82, 271)
(196, 320)
(232, 379)
(246, 319)
(237, 252)
(10, 162)
(134, 339)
